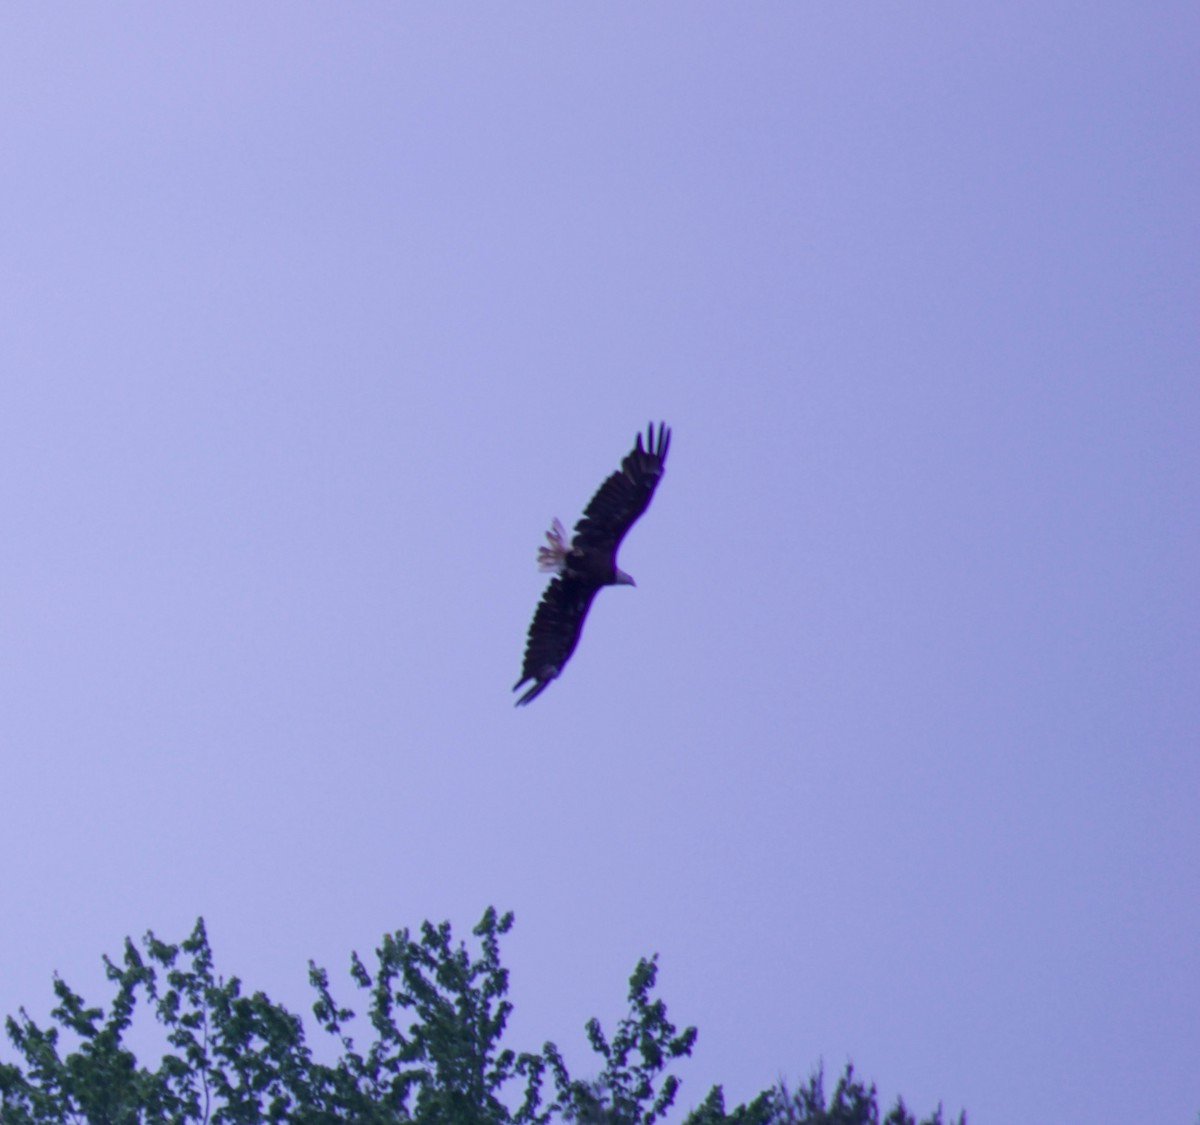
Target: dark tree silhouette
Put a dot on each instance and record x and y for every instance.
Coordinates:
(431, 1051)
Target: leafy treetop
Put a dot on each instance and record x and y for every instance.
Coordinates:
(433, 1053)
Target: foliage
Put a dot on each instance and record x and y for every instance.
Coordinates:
(852, 1104)
(437, 1014)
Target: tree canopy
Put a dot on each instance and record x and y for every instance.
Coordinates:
(431, 1051)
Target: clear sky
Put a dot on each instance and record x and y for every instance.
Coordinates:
(312, 316)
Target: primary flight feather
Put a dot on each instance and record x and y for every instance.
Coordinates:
(589, 561)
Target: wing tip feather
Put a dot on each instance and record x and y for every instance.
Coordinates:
(658, 443)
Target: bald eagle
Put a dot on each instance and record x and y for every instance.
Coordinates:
(589, 561)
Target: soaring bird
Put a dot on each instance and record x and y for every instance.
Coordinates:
(589, 561)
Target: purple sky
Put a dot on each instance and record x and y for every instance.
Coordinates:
(314, 315)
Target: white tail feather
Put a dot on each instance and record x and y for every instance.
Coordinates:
(553, 559)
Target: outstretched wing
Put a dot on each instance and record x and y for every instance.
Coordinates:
(554, 632)
(625, 495)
